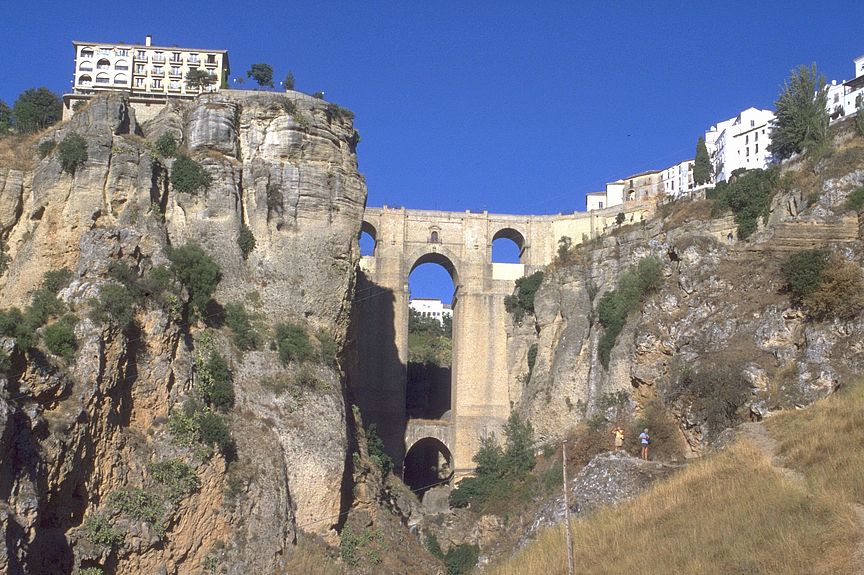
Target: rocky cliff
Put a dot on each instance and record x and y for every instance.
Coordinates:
(78, 430)
(721, 307)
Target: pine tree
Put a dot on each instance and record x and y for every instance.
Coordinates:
(801, 118)
(702, 165)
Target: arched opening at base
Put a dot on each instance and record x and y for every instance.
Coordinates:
(428, 463)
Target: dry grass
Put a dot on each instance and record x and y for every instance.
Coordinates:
(18, 152)
(311, 557)
(731, 513)
(826, 442)
(681, 211)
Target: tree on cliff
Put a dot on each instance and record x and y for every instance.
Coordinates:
(801, 120)
(5, 118)
(702, 164)
(36, 109)
(288, 82)
(197, 79)
(261, 73)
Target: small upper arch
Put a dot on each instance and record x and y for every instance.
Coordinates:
(508, 234)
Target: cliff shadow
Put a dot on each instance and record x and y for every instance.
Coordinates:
(376, 375)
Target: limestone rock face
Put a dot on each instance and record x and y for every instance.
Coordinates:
(74, 432)
(721, 305)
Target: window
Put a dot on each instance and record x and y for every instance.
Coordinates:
(175, 56)
(193, 58)
(174, 85)
(158, 70)
(121, 79)
(121, 65)
(752, 123)
(86, 52)
(175, 70)
(601, 205)
(433, 237)
(211, 58)
(756, 137)
(139, 82)
(104, 52)
(747, 138)
(103, 64)
(142, 55)
(757, 148)
(836, 98)
(121, 52)
(139, 68)
(748, 150)
(102, 78)
(86, 66)
(157, 83)
(85, 80)
(159, 57)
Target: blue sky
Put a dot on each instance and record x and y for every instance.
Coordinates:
(514, 107)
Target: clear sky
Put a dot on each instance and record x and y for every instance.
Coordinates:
(513, 107)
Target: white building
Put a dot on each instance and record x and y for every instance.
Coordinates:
(431, 307)
(150, 74)
(740, 142)
(842, 96)
(677, 180)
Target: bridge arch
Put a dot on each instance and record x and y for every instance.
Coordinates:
(428, 462)
(434, 254)
(512, 234)
(368, 238)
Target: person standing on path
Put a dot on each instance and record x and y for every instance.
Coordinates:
(644, 440)
(619, 438)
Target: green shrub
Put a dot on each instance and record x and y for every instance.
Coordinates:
(748, 195)
(14, 324)
(246, 241)
(72, 152)
(433, 547)
(327, 348)
(139, 504)
(43, 305)
(114, 303)
(197, 271)
(334, 112)
(275, 201)
(188, 176)
(461, 559)
(634, 284)
(46, 148)
(214, 382)
(522, 301)
(192, 423)
(360, 546)
(498, 469)
(99, 531)
(5, 363)
(90, 571)
(293, 343)
(166, 145)
(55, 280)
(619, 219)
(375, 446)
(803, 272)
(60, 339)
(564, 245)
(855, 200)
(716, 392)
(178, 478)
(532, 358)
(239, 322)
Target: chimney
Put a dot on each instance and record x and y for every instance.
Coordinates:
(148, 39)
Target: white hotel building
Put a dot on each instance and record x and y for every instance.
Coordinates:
(430, 307)
(149, 74)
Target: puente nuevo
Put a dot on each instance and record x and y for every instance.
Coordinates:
(477, 400)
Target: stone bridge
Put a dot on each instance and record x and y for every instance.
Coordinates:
(477, 390)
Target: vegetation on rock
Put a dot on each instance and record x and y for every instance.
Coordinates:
(188, 176)
(702, 163)
(99, 531)
(197, 271)
(176, 477)
(634, 285)
(522, 301)
(748, 195)
(72, 153)
(166, 144)
(239, 321)
(293, 344)
(827, 287)
(262, 74)
(59, 337)
(246, 240)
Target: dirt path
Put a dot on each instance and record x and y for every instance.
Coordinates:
(758, 435)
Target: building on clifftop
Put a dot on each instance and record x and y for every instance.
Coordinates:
(150, 74)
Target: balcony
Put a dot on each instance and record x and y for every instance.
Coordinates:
(159, 59)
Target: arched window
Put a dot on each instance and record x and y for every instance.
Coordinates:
(121, 65)
(86, 52)
(433, 237)
(85, 80)
(86, 66)
(428, 463)
(121, 79)
(102, 78)
(103, 64)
